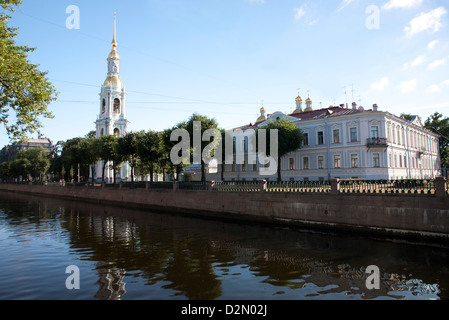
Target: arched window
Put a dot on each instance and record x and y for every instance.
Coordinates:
(117, 132)
(116, 105)
(102, 132)
(103, 106)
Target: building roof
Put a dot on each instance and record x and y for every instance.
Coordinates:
(310, 115)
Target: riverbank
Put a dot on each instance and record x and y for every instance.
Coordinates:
(403, 215)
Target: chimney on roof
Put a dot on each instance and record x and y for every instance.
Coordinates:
(375, 107)
(354, 105)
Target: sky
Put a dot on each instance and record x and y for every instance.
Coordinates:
(225, 58)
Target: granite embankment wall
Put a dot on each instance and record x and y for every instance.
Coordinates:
(400, 215)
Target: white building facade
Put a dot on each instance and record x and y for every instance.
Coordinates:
(348, 143)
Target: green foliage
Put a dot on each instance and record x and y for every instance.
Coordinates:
(106, 147)
(127, 147)
(25, 92)
(206, 124)
(148, 150)
(290, 138)
(439, 124)
(33, 161)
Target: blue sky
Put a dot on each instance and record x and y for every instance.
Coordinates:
(223, 58)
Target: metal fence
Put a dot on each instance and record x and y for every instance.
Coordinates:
(239, 186)
(351, 186)
(300, 186)
(388, 186)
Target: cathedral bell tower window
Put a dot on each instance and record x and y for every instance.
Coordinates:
(116, 105)
(103, 106)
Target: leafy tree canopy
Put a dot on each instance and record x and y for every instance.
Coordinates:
(25, 92)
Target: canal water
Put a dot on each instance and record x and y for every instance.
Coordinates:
(49, 246)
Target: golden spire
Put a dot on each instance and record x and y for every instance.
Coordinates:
(263, 115)
(114, 41)
(114, 54)
(308, 102)
(299, 99)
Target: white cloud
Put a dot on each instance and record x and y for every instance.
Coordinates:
(299, 13)
(344, 4)
(408, 86)
(418, 61)
(437, 63)
(400, 4)
(426, 21)
(433, 88)
(441, 105)
(437, 87)
(432, 44)
(381, 84)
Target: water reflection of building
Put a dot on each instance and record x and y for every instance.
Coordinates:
(300, 272)
(111, 283)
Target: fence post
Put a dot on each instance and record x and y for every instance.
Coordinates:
(440, 187)
(147, 185)
(120, 185)
(211, 185)
(263, 186)
(175, 186)
(335, 186)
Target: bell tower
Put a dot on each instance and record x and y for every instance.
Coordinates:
(112, 119)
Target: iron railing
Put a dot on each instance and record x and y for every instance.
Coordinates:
(388, 186)
(349, 186)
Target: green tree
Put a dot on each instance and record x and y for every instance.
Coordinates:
(148, 150)
(106, 150)
(38, 161)
(439, 124)
(5, 170)
(166, 146)
(20, 168)
(406, 116)
(89, 150)
(73, 156)
(127, 148)
(25, 92)
(290, 138)
(206, 124)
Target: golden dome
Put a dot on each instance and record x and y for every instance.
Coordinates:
(309, 101)
(261, 118)
(114, 55)
(298, 99)
(113, 82)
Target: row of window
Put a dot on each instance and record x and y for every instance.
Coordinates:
(399, 135)
(337, 162)
(400, 161)
(336, 136)
(320, 164)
